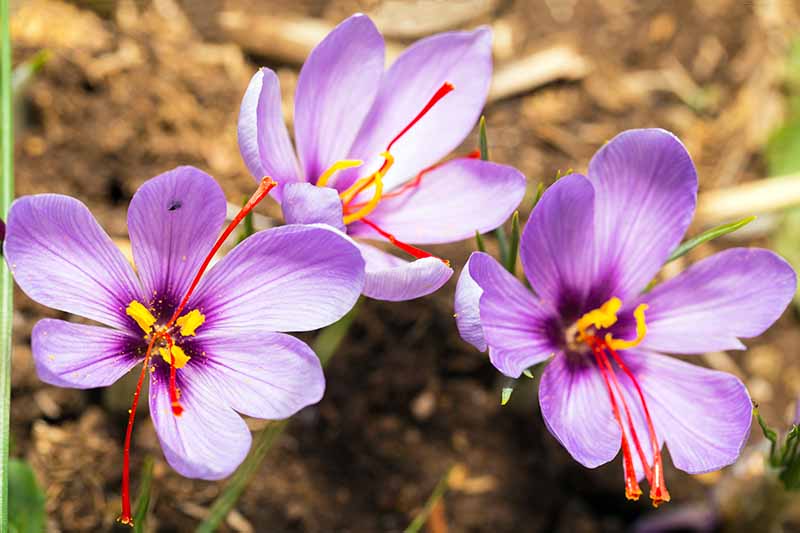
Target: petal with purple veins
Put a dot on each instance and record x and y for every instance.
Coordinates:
(645, 193)
(451, 203)
(174, 220)
(61, 257)
(304, 203)
(462, 58)
(335, 91)
(82, 356)
(291, 278)
(209, 439)
(737, 293)
(577, 410)
(265, 375)
(263, 138)
(393, 279)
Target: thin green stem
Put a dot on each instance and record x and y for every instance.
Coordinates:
(433, 499)
(325, 346)
(6, 283)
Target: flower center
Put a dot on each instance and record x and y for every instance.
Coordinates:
(584, 333)
(358, 211)
(161, 338)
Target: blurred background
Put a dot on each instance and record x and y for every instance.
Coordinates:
(110, 94)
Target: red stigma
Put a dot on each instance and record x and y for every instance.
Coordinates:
(266, 185)
(655, 474)
(409, 249)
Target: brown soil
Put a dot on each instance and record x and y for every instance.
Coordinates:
(134, 89)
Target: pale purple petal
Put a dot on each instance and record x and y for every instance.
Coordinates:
(263, 139)
(737, 293)
(556, 247)
(519, 331)
(577, 411)
(393, 279)
(462, 58)
(703, 415)
(335, 91)
(467, 309)
(265, 375)
(451, 203)
(208, 440)
(174, 220)
(645, 193)
(304, 203)
(82, 356)
(61, 257)
(291, 278)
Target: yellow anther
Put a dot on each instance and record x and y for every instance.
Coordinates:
(177, 352)
(603, 317)
(141, 315)
(641, 331)
(190, 322)
(336, 167)
(348, 195)
(377, 182)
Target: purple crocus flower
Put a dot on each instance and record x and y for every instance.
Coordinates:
(213, 353)
(590, 249)
(370, 141)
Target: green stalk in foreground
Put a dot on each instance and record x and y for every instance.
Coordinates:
(325, 346)
(6, 283)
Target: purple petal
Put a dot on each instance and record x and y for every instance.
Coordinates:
(208, 440)
(556, 247)
(335, 91)
(518, 329)
(291, 278)
(393, 279)
(462, 58)
(467, 308)
(734, 294)
(263, 139)
(304, 203)
(645, 193)
(451, 203)
(703, 415)
(265, 375)
(62, 258)
(81, 356)
(174, 220)
(577, 411)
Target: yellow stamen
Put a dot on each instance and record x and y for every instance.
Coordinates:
(641, 331)
(190, 322)
(603, 317)
(353, 191)
(336, 167)
(370, 206)
(177, 352)
(141, 315)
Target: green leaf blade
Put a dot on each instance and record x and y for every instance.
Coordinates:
(708, 235)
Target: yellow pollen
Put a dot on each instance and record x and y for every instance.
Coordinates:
(336, 167)
(177, 352)
(141, 315)
(606, 316)
(190, 322)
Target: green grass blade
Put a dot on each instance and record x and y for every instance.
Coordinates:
(26, 499)
(143, 498)
(513, 244)
(481, 247)
(6, 282)
(325, 346)
(706, 236)
(436, 495)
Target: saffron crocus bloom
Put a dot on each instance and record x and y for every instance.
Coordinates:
(590, 249)
(213, 353)
(369, 144)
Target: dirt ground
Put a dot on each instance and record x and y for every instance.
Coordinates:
(132, 89)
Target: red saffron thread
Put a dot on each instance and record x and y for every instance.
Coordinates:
(409, 249)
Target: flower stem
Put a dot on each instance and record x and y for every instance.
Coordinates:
(6, 283)
(436, 495)
(325, 346)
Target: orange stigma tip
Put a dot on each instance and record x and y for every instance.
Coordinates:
(633, 493)
(177, 408)
(125, 520)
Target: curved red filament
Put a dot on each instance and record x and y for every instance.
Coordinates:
(409, 249)
(266, 185)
